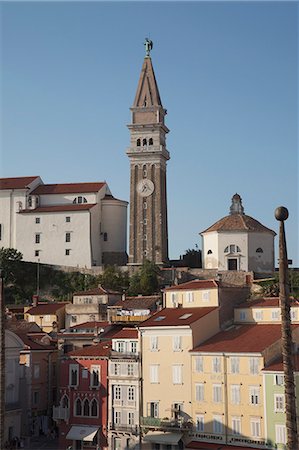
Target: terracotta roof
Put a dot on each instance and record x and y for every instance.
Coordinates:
(90, 325)
(97, 291)
(243, 339)
(68, 188)
(16, 183)
(238, 222)
(176, 317)
(58, 208)
(127, 333)
(193, 285)
(277, 365)
(45, 308)
(22, 326)
(140, 302)
(101, 349)
(31, 341)
(266, 302)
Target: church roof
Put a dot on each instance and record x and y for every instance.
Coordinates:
(16, 183)
(68, 188)
(147, 91)
(237, 220)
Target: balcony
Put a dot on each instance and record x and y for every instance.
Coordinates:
(124, 354)
(165, 424)
(124, 403)
(60, 413)
(115, 318)
(133, 429)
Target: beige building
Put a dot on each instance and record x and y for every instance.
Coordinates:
(264, 310)
(227, 384)
(166, 340)
(45, 314)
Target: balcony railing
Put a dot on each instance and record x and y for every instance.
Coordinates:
(134, 429)
(60, 413)
(124, 403)
(124, 354)
(165, 424)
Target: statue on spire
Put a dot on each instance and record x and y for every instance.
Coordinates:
(148, 47)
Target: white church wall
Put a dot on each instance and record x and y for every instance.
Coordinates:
(210, 244)
(261, 261)
(233, 238)
(114, 223)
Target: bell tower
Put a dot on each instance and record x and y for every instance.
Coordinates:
(148, 157)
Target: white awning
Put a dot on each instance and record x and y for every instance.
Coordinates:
(159, 437)
(82, 433)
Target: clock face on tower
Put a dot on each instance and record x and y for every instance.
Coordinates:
(145, 187)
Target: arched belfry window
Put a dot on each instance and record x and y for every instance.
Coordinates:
(209, 252)
(144, 142)
(138, 142)
(259, 250)
(150, 141)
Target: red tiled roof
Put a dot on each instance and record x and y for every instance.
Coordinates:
(68, 188)
(243, 339)
(101, 349)
(58, 208)
(97, 291)
(265, 303)
(238, 222)
(90, 325)
(32, 343)
(127, 333)
(277, 365)
(16, 183)
(193, 285)
(176, 317)
(45, 308)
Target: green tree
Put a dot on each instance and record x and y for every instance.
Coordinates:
(146, 280)
(9, 264)
(114, 278)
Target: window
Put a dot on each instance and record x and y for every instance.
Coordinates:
(280, 434)
(209, 252)
(131, 393)
(80, 200)
(217, 393)
(275, 314)
(67, 237)
(37, 220)
(174, 299)
(278, 402)
(216, 364)
(200, 422)
(117, 393)
(144, 141)
(153, 409)
(74, 319)
(138, 143)
(232, 249)
(86, 408)
(67, 252)
(84, 374)
(131, 418)
(154, 343)
(189, 297)
(254, 395)
(95, 374)
(120, 346)
(36, 398)
(154, 373)
(37, 238)
(236, 425)
(235, 394)
(117, 417)
(64, 402)
(253, 365)
(206, 296)
(130, 369)
(234, 364)
(259, 250)
(278, 379)
(36, 253)
(199, 392)
(258, 315)
(116, 369)
(217, 424)
(242, 315)
(94, 408)
(198, 364)
(117, 444)
(133, 345)
(150, 141)
(30, 201)
(73, 374)
(177, 343)
(255, 427)
(293, 314)
(68, 219)
(105, 237)
(36, 371)
(177, 374)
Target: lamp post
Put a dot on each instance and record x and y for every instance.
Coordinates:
(281, 214)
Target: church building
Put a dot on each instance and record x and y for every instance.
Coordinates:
(238, 242)
(148, 157)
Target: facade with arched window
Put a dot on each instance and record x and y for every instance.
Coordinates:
(238, 242)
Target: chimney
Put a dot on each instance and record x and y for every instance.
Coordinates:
(35, 300)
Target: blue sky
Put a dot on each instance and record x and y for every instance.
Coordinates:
(227, 74)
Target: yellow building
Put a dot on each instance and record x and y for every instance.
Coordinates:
(227, 384)
(264, 310)
(44, 314)
(166, 340)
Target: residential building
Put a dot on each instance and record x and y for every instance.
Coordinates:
(238, 242)
(82, 410)
(203, 293)
(124, 394)
(48, 316)
(12, 417)
(75, 224)
(274, 406)
(166, 339)
(148, 158)
(90, 305)
(227, 384)
(134, 309)
(264, 310)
